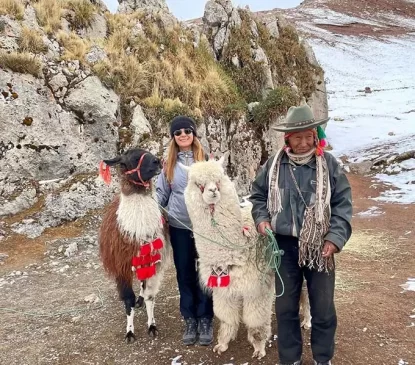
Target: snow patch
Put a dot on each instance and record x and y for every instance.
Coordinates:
(371, 212)
(409, 285)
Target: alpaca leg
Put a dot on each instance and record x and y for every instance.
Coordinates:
(126, 293)
(256, 315)
(305, 308)
(152, 286)
(228, 312)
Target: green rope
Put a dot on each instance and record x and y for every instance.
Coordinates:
(230, 245)
(273, 251)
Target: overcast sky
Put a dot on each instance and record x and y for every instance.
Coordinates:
(190, 9)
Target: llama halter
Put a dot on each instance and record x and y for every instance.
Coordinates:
(146, 184)
(105, 173)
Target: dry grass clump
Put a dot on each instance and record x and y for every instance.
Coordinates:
(75, 47)
(84, 12)
(21, 62)
(161, 68)
(12, 7)
(48, 13)
(31, 41)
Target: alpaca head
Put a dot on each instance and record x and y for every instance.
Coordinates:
(137, 166)
(207, 177)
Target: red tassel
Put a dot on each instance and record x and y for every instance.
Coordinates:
(136, 261)
(212, 281)
(157, 244)
(145, 249)
(155, 258)
(224, 281)
(163, 220)
(144, 273)
(104, 172)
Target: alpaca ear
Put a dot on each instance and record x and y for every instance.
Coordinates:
(222, 160)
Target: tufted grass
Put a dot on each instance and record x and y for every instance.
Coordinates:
(48, 13)
(31, 41)
(21, 62)
(12, 7)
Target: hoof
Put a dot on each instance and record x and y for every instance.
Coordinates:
(259, 354)
(153, 331)
(220, 348)
(140, 302)
(129, 337)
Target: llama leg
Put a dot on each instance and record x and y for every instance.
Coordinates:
(152, 286)
(140, 300)
(256, 315)
(305, 308)
(126, 293)
(228, 312)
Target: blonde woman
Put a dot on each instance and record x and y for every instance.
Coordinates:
(196, 306)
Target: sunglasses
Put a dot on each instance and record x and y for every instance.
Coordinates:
(179, 132)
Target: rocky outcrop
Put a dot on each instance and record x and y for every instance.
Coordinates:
(57, 127)
(129, 6)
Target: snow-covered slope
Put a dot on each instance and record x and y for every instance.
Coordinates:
(369, 44)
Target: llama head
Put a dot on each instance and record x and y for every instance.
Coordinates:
(207, 177)
(136, 165)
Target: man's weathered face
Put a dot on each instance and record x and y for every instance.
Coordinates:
(302, 142)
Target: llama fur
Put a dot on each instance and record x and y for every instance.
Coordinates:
(249, 296)
(132, 219)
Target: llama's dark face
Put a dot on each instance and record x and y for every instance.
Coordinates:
(137, 165)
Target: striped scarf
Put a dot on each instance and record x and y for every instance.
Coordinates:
(316, 220)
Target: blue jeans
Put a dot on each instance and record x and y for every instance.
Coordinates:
(320, 287)
(194, 302)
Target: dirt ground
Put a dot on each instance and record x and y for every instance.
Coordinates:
(45, 318)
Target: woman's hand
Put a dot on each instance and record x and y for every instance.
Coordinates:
(262, 227)
(329, 249)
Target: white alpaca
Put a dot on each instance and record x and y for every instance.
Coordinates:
(226, 242)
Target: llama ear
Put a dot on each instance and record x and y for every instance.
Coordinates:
(113, 161)
(184, 167)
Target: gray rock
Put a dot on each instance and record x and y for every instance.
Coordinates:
(97, 29)
(140, 125)
(31, 230)
(215, 14)
(23, 201)
(95, 54)
(30, 18)
(129, 6)
(3, 257)
(361, 168)
(71, 250)
(58, 82)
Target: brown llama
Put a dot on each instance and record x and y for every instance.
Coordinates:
(132, 236)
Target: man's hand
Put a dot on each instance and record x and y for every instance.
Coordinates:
(329, 249)
(262, 226)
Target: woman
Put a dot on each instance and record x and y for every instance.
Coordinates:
(302, 195)
(195, 305)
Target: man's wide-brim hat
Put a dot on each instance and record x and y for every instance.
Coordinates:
(299, 118)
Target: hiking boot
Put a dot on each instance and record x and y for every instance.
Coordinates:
(205, 331)
(190, 333)
(299, 362)
(322, 363)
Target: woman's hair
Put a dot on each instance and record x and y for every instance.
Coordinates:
(198, 155)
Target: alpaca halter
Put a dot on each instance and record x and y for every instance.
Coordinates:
(146, 184)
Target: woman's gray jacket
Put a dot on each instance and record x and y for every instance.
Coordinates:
(171, 195)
